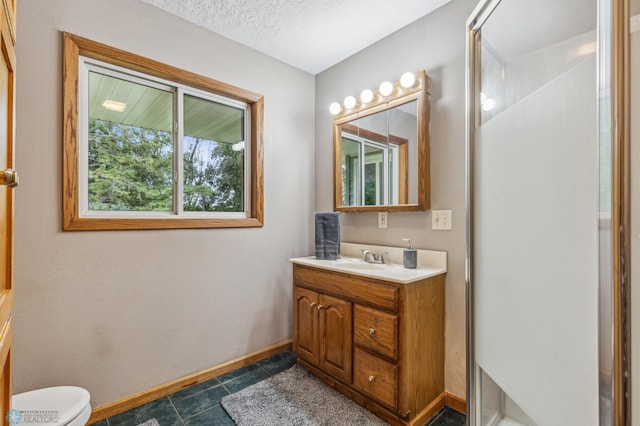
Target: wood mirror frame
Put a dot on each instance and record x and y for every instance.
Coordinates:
(419, 92)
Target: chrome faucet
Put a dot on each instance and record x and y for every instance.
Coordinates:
(371, 257)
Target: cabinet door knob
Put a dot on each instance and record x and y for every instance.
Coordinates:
(371, 332)
(372, 378)
(313, 304)
(320, 307)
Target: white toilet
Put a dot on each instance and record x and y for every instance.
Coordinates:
(59, 405)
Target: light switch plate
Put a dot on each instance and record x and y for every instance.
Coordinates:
(441, 220)
(382, 219)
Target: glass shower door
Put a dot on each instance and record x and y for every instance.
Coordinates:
(533, 213)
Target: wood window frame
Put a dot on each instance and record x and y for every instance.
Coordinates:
(73, 48)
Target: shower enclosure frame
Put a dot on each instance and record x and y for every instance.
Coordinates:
(613, 330)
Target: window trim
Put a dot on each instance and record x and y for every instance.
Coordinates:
(75, 47)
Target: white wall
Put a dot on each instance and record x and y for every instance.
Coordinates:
(119, 312)
(436, 44)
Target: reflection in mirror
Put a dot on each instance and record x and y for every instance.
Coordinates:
(403, 137)
(374, 176)
(364, 155)
(350, 170)
(387, 141)
(382, 153)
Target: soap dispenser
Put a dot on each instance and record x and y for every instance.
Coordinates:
(409, 255)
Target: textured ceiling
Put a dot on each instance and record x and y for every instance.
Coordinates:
(309, 34)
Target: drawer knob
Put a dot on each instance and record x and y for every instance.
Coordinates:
(371, 332)
(372, 379)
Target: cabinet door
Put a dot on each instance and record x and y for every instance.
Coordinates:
(305, 324)
(336, 340)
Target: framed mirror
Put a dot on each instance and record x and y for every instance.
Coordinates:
(381, 151)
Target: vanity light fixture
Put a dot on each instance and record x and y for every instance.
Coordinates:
(409, 83)
(407, 80)
(386, 88)
(349, 102)
(366, 96)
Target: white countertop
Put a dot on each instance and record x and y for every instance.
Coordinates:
(430, 263)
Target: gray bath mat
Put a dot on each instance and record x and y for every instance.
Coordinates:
(295, 398)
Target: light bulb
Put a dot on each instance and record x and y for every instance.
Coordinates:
(386, 88)
(483, 98)
(407, 80)
(335, 108)
(488, 104)
(349, 102)
(366, 96)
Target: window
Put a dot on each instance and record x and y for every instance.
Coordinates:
(373, 168)
(150, 146)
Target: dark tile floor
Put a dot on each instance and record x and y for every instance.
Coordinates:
(199, 405)
(448, 417)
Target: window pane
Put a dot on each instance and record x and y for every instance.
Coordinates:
(130, 146)
(373, 175)
(213, 154)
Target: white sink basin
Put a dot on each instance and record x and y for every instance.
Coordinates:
(359, 264)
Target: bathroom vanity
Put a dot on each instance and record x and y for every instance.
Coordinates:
(374, 332)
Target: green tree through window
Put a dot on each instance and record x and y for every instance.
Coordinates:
(130, 168)
(213, 176)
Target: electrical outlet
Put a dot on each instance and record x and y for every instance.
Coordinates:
(382, 219)
(441, 220)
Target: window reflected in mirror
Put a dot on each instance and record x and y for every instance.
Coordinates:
(382, 178)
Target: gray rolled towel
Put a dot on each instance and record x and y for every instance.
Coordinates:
(327, 235)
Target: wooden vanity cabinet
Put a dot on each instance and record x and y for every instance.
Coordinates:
(380, 343)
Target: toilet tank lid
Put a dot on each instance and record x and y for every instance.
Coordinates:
(63, 402)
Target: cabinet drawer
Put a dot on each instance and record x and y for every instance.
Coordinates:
(376, 331)
(349, 287)
(376, 377)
